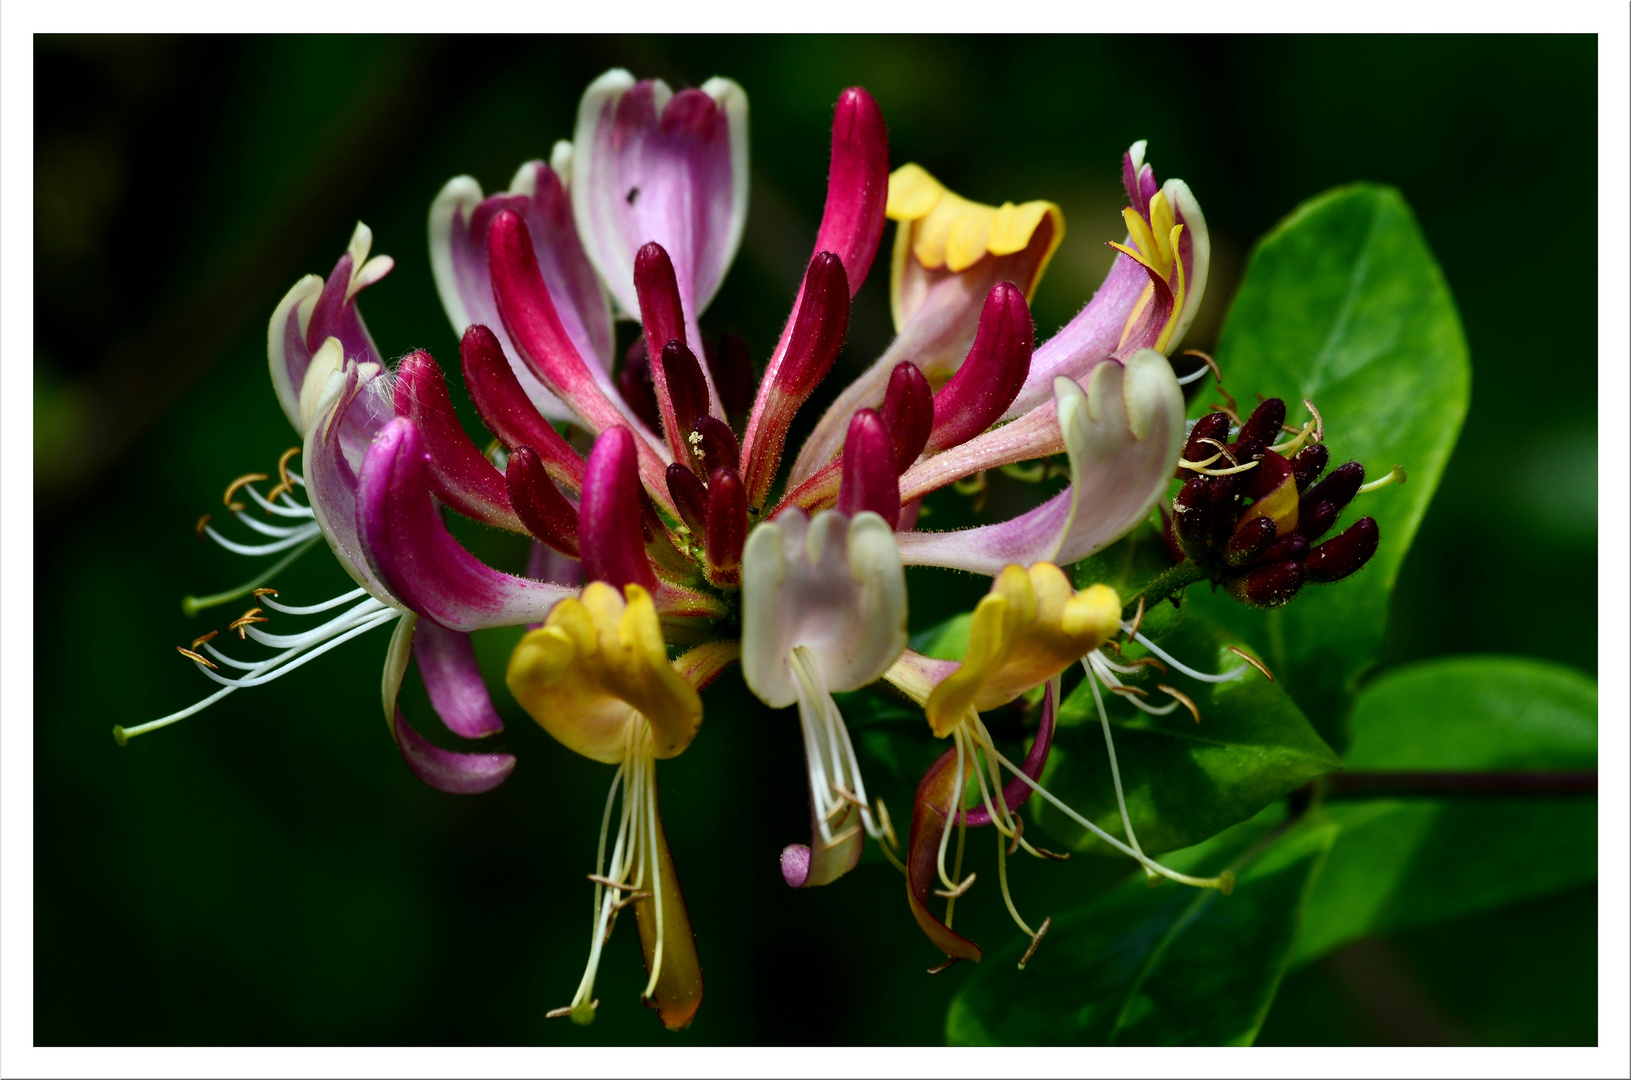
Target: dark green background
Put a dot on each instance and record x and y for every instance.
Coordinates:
(268, 872)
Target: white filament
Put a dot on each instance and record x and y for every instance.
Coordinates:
(1227, 676)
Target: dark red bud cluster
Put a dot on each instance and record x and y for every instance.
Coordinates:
(1254, 531)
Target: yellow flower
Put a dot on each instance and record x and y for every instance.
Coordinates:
(1029, 628)
(597, 677)
(596, 664)
(941, 230)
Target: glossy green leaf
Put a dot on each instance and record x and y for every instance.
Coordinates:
(1184, 781)
(1344, 304)
(1175, 966)
(1406, 863)
(945, 641)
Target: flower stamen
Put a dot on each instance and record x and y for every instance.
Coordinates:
(1249, 658)
(246, 478)
(189, 654)
(1181, 697)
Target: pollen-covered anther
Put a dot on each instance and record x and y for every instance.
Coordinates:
(886, 825)
(246, 478)
(199, 526)
(1019, 831)
(1138, 619)
(201, 638)
(263, 591)
(242, 622)
(285, 481)
(1041, 932)
(1182, 698)
(1250, 659)
(189, 654)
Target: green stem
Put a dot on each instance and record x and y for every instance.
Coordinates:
(1439, 785)
(1174, 581)
(192, 605)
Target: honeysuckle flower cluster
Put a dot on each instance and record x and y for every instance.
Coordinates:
(679, 543)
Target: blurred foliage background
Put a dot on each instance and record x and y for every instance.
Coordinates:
(268, 872)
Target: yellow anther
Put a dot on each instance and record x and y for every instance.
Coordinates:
(1035, 941)
(201, 638)
(242, 622)
(1179, 695)
(285, 481)
(263, 591)
(189, 654)
(199, 528)
(283, 465)
(1129, 691)
(246, 478)
(841, 839)
(1138, 619)
(1250, 659)
(885, 824)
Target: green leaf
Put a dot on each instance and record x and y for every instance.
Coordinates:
(947, 641)
(1184, 781)
(1171, 967)
(1405, 863)
(1344, 304)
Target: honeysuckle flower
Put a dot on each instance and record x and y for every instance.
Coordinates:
(1262, 551)
(459, 220)
(678, 531)
(1120, 436)
(1151, 294)
(329, 378)
(596, 676)
(949, 253)
(1022, 635)
(823, 610)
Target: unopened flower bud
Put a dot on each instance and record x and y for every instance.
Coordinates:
(1342, 555)
(1271, 586)
(690, 497)
(1308, 463)
(907, 412)
(1260, 430)
(1214, 426)
(539, 503)
(1249, 541)
(727, 525)
(634, 384)
(714, 445)
(686, 386)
